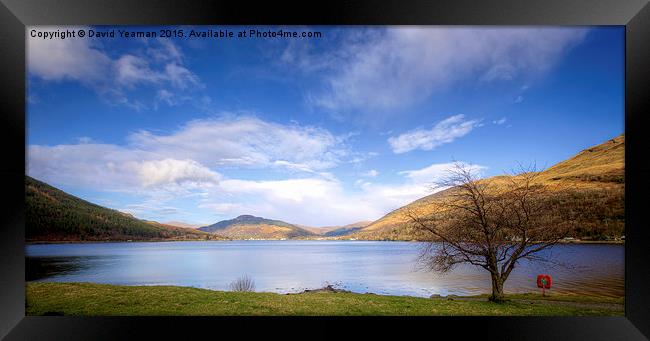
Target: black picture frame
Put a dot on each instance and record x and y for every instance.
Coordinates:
(15, 15)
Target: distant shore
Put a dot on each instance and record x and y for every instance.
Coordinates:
(34, 242)
(614, 242)
(593, 242)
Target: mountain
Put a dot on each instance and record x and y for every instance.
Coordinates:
(595, 177)
(251, 227)
(182, 224)
(54, 215)
(336, 231)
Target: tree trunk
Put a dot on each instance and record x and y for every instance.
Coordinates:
(497, 289)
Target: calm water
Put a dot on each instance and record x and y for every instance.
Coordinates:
(292, 266)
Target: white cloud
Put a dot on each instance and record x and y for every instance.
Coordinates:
(106, 167)
(500, 121)
(293, 166)
(130, 70)
(443, 132)
(434, 173)
(371, 173)
(247, 141)
(321, 201)
(189, 154)
(58, 59)
(225, 208)
(387, 197)
(164, 50)
(84, 60)
(157, 172)
(149, 208)
(311, 201)
(166, 96)
(180, 77)
(97, 166)
(379, 70)
(85, 140)
(293, 190)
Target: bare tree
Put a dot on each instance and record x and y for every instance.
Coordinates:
(491, 224)
(243, 284)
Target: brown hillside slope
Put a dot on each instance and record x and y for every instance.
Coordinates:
(251, 227)
(328, 229)
(182, 224)
(257, 231)
(595, 176)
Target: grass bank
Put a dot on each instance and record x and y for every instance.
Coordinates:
(103, 300)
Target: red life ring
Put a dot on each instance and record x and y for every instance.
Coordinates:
(544, 281)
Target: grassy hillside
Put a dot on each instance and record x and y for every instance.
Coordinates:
(86, 299)
(595, 178)
(601, 166)
(53, 215)
(332, 231)
(182, 224)
(347, 229)
(248, 226)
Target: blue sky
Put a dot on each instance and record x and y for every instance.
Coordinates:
(314, 131)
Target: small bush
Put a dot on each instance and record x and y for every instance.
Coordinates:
(243, 284)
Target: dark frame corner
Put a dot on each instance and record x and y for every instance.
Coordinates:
(15, 15)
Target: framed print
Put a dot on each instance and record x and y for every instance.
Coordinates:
(261, 167)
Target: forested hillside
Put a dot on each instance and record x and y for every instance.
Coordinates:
(53, 215)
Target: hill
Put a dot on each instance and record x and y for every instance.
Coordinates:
(336, 231)
(182, 224)
(595, 177)
(347, 229)
(54, 215)
(251, 227)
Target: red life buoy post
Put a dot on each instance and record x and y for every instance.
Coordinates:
(544, 282)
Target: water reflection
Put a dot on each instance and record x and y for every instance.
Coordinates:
(293, 266)
(43, 267)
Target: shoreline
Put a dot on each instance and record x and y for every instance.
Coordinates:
(550, 296)
(119, 241)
